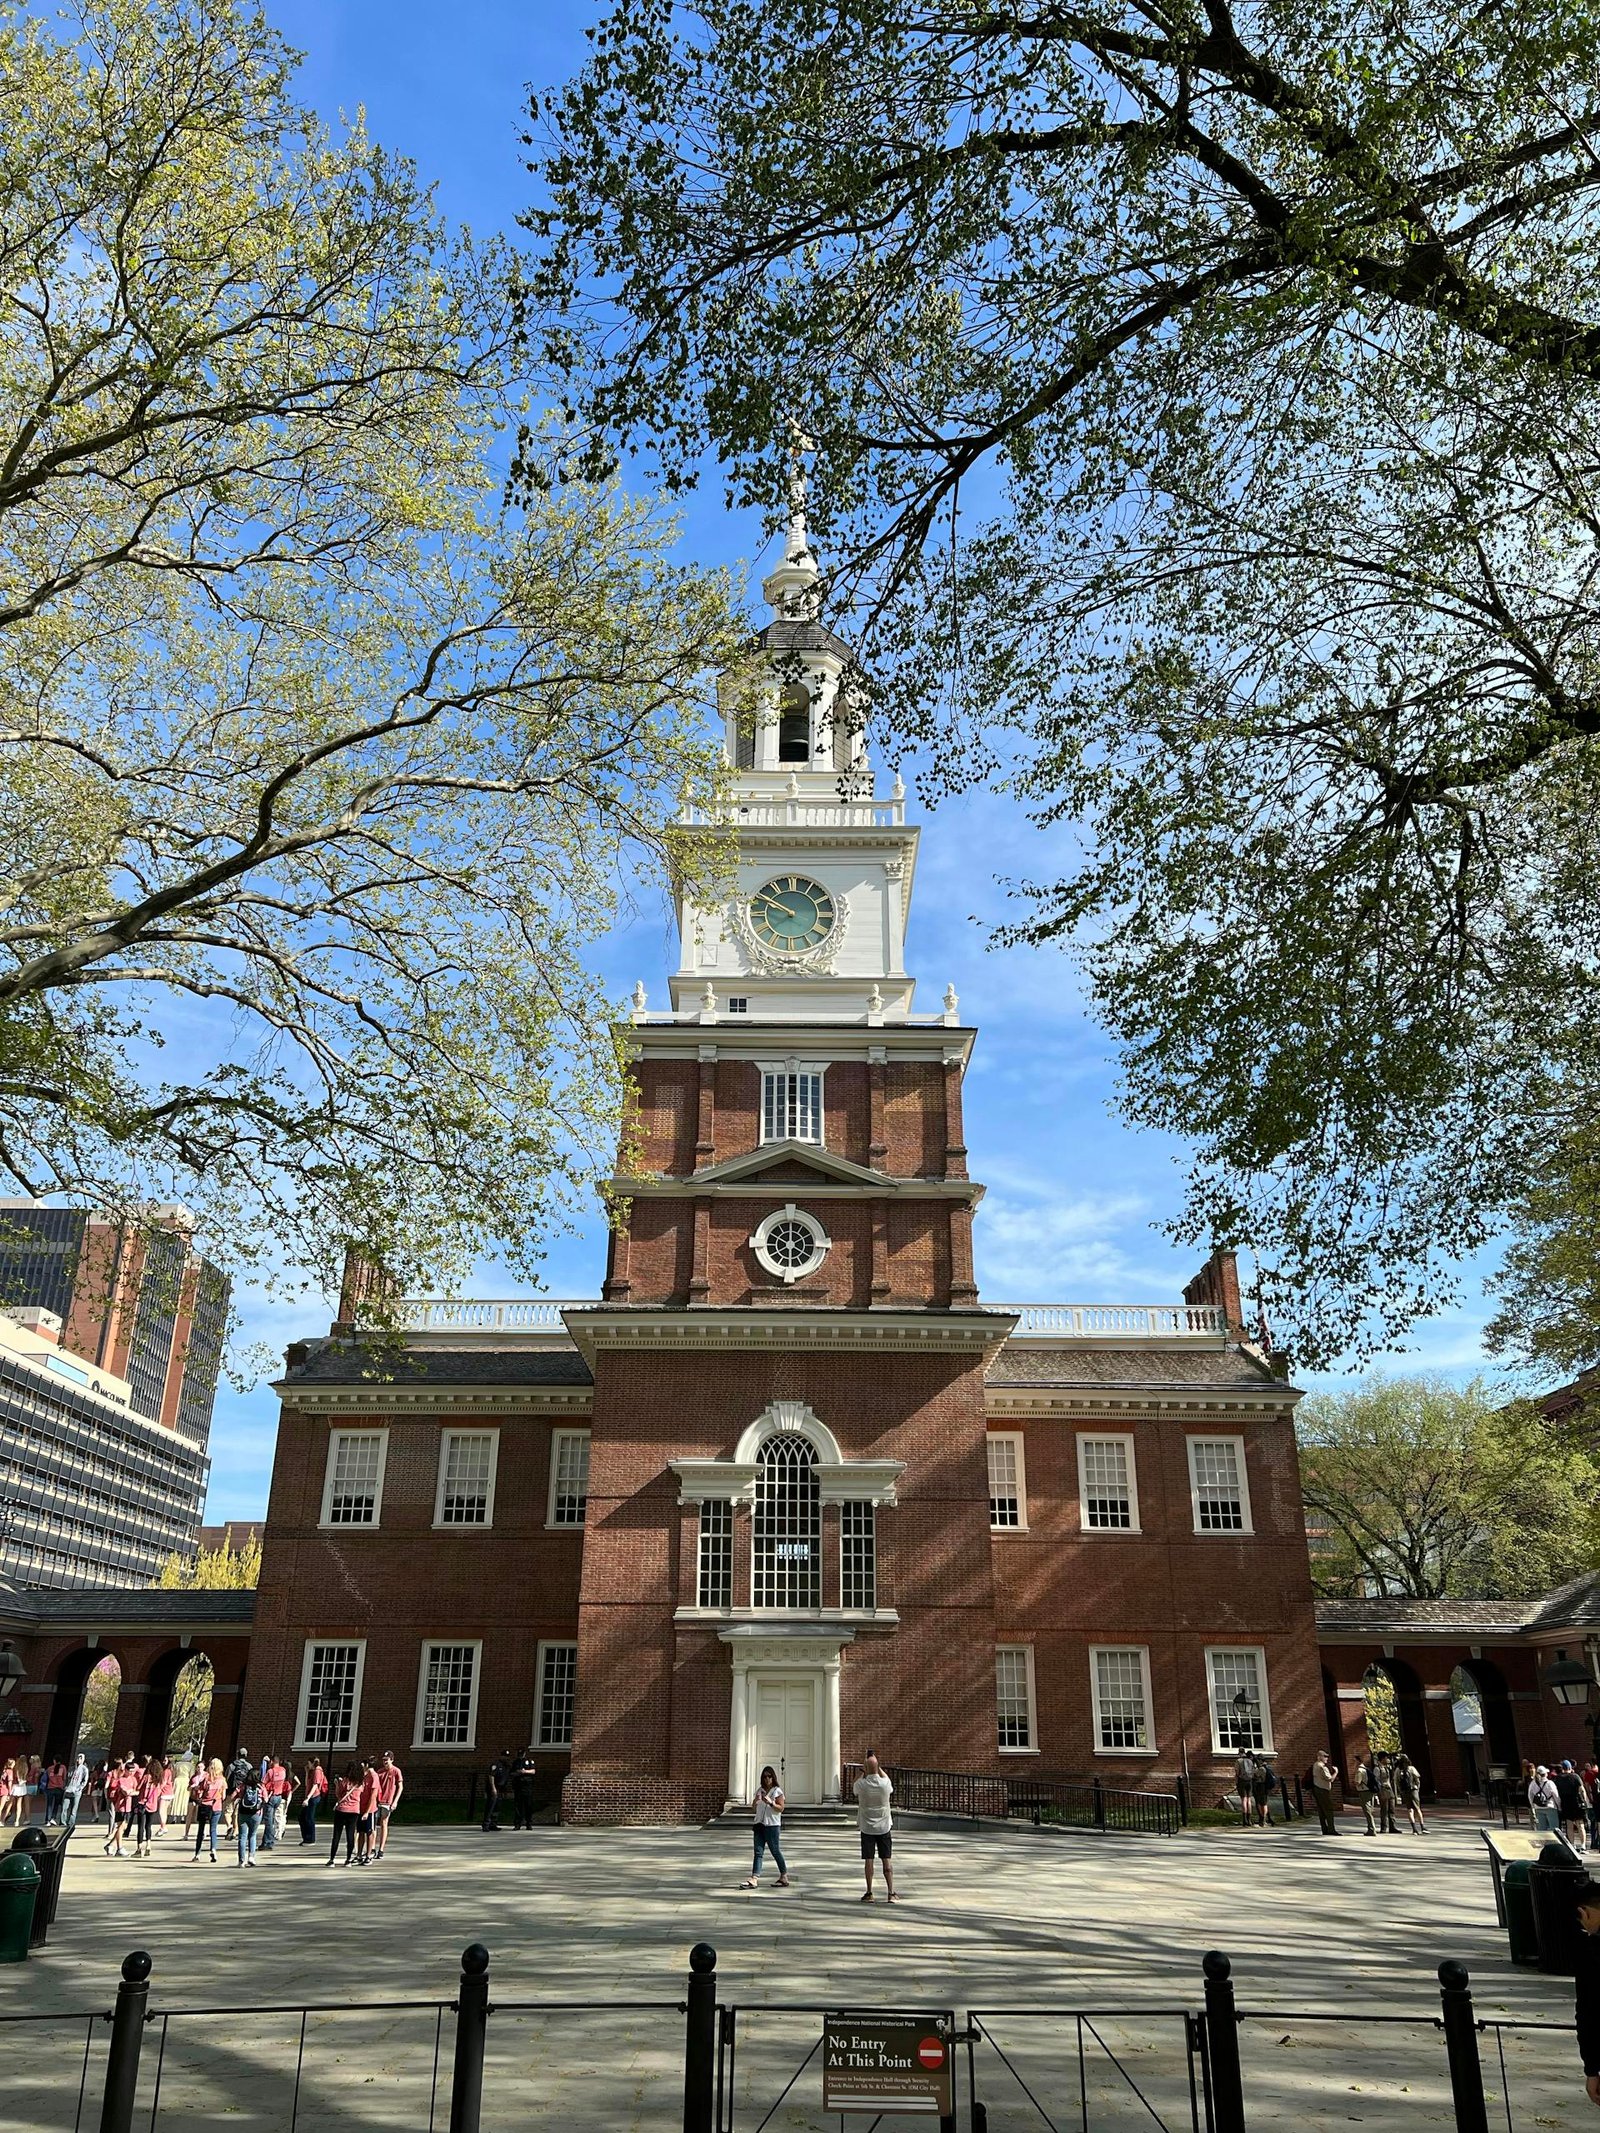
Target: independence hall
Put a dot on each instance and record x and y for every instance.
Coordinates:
(790, 1488)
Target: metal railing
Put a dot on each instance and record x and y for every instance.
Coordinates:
(1204, 2078)
(1079, 1803)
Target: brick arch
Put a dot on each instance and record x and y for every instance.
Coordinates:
(71, 1678)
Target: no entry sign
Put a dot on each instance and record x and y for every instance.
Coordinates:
(887, 2063)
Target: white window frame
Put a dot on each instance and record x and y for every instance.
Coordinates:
(1125, 1439)
(1033, 1701)
(1014, 1438)
(447, 1747)
(703, 1541)
(1218, 1746)
(367, 1525)
(478, 1525)
(821, 1243)
(1143, 1651)
(302, 1746)
(566, 1525)
(817, 1067)
(552, 1644)
(1224, 1533)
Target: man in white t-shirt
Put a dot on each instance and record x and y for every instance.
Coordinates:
(876, 1824)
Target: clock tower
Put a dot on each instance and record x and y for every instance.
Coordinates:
(815, 925)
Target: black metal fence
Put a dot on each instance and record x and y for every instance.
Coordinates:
(1068, 1802)
(1209, 2067)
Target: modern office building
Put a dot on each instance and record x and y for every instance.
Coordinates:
(111, 1339)
(789, 1489)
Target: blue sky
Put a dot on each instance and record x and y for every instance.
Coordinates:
(1073, 1196)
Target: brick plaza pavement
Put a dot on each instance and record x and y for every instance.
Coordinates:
(999, 1918)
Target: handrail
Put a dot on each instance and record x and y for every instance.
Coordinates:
(1087, 1802)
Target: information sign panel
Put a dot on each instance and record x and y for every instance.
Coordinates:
(887, 2063)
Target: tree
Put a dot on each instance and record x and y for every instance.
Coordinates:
(191, 1706)
(1426, 1490)
(98, 1713)
(1206, 416)
(223, 1568)
(320, 773)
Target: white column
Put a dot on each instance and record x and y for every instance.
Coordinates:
(738, 1726)
(830, 1729)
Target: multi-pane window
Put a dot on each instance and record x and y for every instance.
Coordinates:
(716, 1553)
(1240, 1717)
(330, 1695)
(353, 1491)
(569, 1477)
(466, 1478)
(558, 1688)
(786, 1552)
(1121, 1683)
(1013, 1690)
(1105, 1484)
(858, 1555)
(1008, 1502)
(447, 1696)
(1216, 1476)
(791, 1104)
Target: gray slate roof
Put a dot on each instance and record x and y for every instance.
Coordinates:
(1375, 1615)
(1141, 1368)
(330, 1362)
(93, 1604)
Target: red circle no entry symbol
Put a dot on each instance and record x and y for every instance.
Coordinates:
(931, 2052)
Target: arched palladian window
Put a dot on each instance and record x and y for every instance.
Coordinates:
(794, 725)
(786, 1557)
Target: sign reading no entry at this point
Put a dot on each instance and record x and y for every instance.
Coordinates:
(887, 2063)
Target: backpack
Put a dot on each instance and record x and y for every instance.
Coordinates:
(250, 1798)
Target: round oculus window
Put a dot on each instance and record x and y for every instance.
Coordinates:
(789, 1243)
(791, 914)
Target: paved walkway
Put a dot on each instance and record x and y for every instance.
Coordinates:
(600, 1922)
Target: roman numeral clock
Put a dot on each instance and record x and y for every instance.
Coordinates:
(791, 914)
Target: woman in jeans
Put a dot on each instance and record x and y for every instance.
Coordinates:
(313, 1792)
(206, 1795)
(346, 1812)
(146, 1805)
(765, 1833)
(248, 1800)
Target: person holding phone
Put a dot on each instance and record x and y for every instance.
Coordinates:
(767, 1829)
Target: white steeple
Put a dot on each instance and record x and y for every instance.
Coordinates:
(815, 928)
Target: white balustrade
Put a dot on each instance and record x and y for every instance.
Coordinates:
(799, 810)
(543, 1314)
(1137, 1321)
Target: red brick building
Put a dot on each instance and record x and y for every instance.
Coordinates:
(790, 1489)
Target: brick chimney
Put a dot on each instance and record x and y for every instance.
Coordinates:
(365, 1283)
(1218, 1283)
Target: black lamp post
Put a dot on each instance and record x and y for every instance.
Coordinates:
(11, 1670)
(1244, 1707)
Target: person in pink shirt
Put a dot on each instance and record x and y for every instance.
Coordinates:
(122, 1787)
(207, 1792)
(278, 1786)
(366, 1814)
(391, 1785)
(146, 1805)
(169, 1785)
(346, 1812)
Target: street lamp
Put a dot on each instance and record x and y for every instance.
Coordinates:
(11, 1670)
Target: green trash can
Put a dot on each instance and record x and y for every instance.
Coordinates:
(19, 1890)
(1520, 1928)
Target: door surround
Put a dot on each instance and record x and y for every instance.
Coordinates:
(775, 1649)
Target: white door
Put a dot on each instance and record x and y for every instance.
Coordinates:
(786, 1735)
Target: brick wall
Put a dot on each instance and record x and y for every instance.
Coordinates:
(405, 1583)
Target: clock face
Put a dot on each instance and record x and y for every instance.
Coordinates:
(791, 914)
